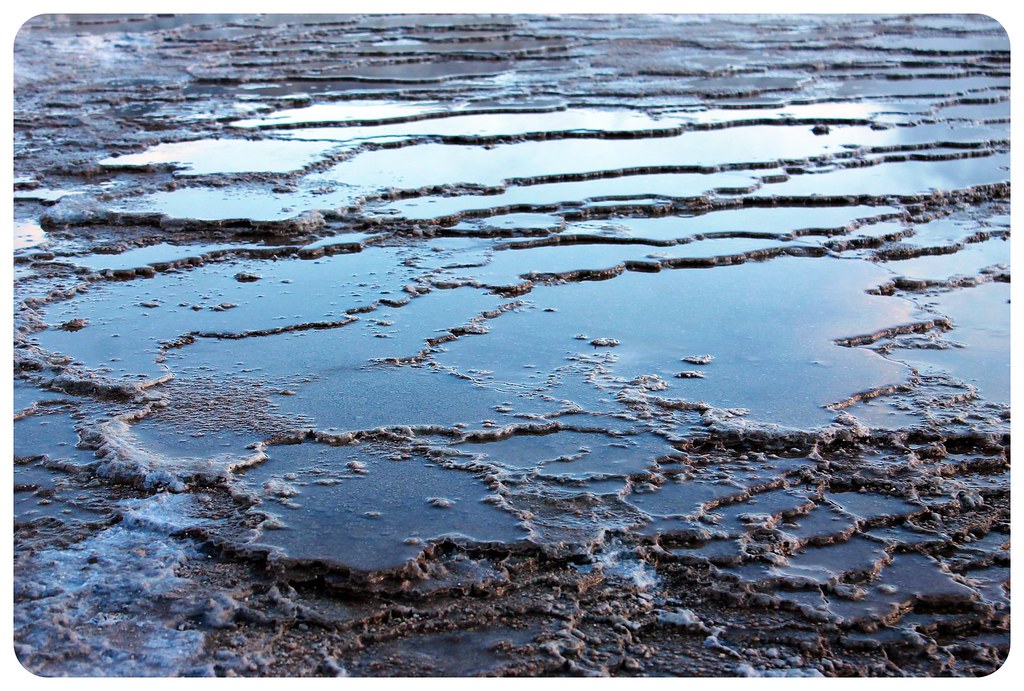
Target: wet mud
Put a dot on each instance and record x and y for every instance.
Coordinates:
(511, 345)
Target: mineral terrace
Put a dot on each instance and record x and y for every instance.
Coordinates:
(511, 345)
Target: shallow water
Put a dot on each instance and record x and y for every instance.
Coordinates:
(339, 339)
(258, 204)
(633, 189)
(981, 320)
(780, 342)
(222, 156)
(28, 234)
(159, 254)
(406, 167)
(374, 516)
(900, 178)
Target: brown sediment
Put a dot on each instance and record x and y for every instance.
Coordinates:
(922, 284)
(307, 326)
(916, 327)
(862, 396)
(910, 251)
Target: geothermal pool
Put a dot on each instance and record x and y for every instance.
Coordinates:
(511, 345)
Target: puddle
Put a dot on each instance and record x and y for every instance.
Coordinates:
(340, 240)
(419, 120)
(905, 178)
(223, 156)
(981, 325)
(405, 168)
(944, 231)
(1000, 110)
(802, 352)
(918, 87)
(574, 454)
(159, 254)
(43, 195)
(768, 221)
(509, 267)
(127, 323)
(26, 395)
(53, 436)
(510, 223)
(332, 370)
(28, 234)
(966, 262)
(226, 204)
(636, 188)
(378, 518)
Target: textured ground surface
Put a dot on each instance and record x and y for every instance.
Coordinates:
(511, 345)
